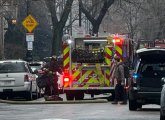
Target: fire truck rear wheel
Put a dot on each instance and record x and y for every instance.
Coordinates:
(79, 95)
(69, 95)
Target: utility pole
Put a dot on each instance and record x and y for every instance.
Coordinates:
(29, 23)
(29, 53)
(27, 7)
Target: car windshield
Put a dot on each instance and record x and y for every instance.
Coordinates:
(12, 67)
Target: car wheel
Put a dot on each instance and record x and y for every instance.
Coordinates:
(132, 105)
(29, 95)
(39, 93)
(162, 117)
(112, 97)
(139, 106)
(2, 96)
(69, 95)
(36, 94)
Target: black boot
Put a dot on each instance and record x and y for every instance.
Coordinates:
(115, 102)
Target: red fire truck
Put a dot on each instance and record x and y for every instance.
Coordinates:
(87, 64)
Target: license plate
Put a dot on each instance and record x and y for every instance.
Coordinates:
(6, 83)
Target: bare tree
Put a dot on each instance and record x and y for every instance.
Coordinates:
(58, 22)
(91, 10)
(130, 15)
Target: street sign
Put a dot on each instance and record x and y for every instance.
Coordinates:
(30, 37)
(30, 23)
(29, 45)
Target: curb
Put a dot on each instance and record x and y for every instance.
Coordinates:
(53, 102)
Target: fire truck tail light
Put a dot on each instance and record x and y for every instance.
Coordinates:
(118, 40)
(66, 79)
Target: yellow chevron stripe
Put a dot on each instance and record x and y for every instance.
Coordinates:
(66, 50)
(76, 73)
(107, 81)
(108, 61)
(76, 70)
(92, 80)
(109, 51)
(107, 72)
(66, 61)
(118, 49)
(100, 74)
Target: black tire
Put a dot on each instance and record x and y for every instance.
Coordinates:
(36, 94)
(39, 93)
(2, 96)
(28, 96)
(112, 97)
(79, 95)
(139, 106)
(132, 105)
(162, 117)
(69, 95)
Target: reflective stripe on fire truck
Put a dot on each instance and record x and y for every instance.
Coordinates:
(66, 56)
(119, 51)
(108, 54)
(89, 78)
(100, 74)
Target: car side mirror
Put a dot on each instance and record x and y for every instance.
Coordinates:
(163, 79)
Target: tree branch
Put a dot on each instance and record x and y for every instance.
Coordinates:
(107, 4)
(65, 14)
(87, 14)
(51, 6)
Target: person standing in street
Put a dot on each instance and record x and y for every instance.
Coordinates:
(52, 68)
(120, 92)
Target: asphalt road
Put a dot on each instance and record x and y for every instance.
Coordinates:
(80, 111)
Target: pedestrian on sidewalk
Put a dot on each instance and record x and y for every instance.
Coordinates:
(120, 92)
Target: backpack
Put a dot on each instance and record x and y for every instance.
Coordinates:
(126, 71)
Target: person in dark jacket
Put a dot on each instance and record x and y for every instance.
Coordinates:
(120, 93)
(52, 68)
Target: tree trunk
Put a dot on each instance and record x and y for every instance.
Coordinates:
(95, 28)
(57, 42)
(96, 22)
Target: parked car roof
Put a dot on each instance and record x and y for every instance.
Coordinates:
(149, 49)
(15, 60)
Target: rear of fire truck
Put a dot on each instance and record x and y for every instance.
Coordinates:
(87, 65)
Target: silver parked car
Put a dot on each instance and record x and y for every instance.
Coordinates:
(17, 79)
